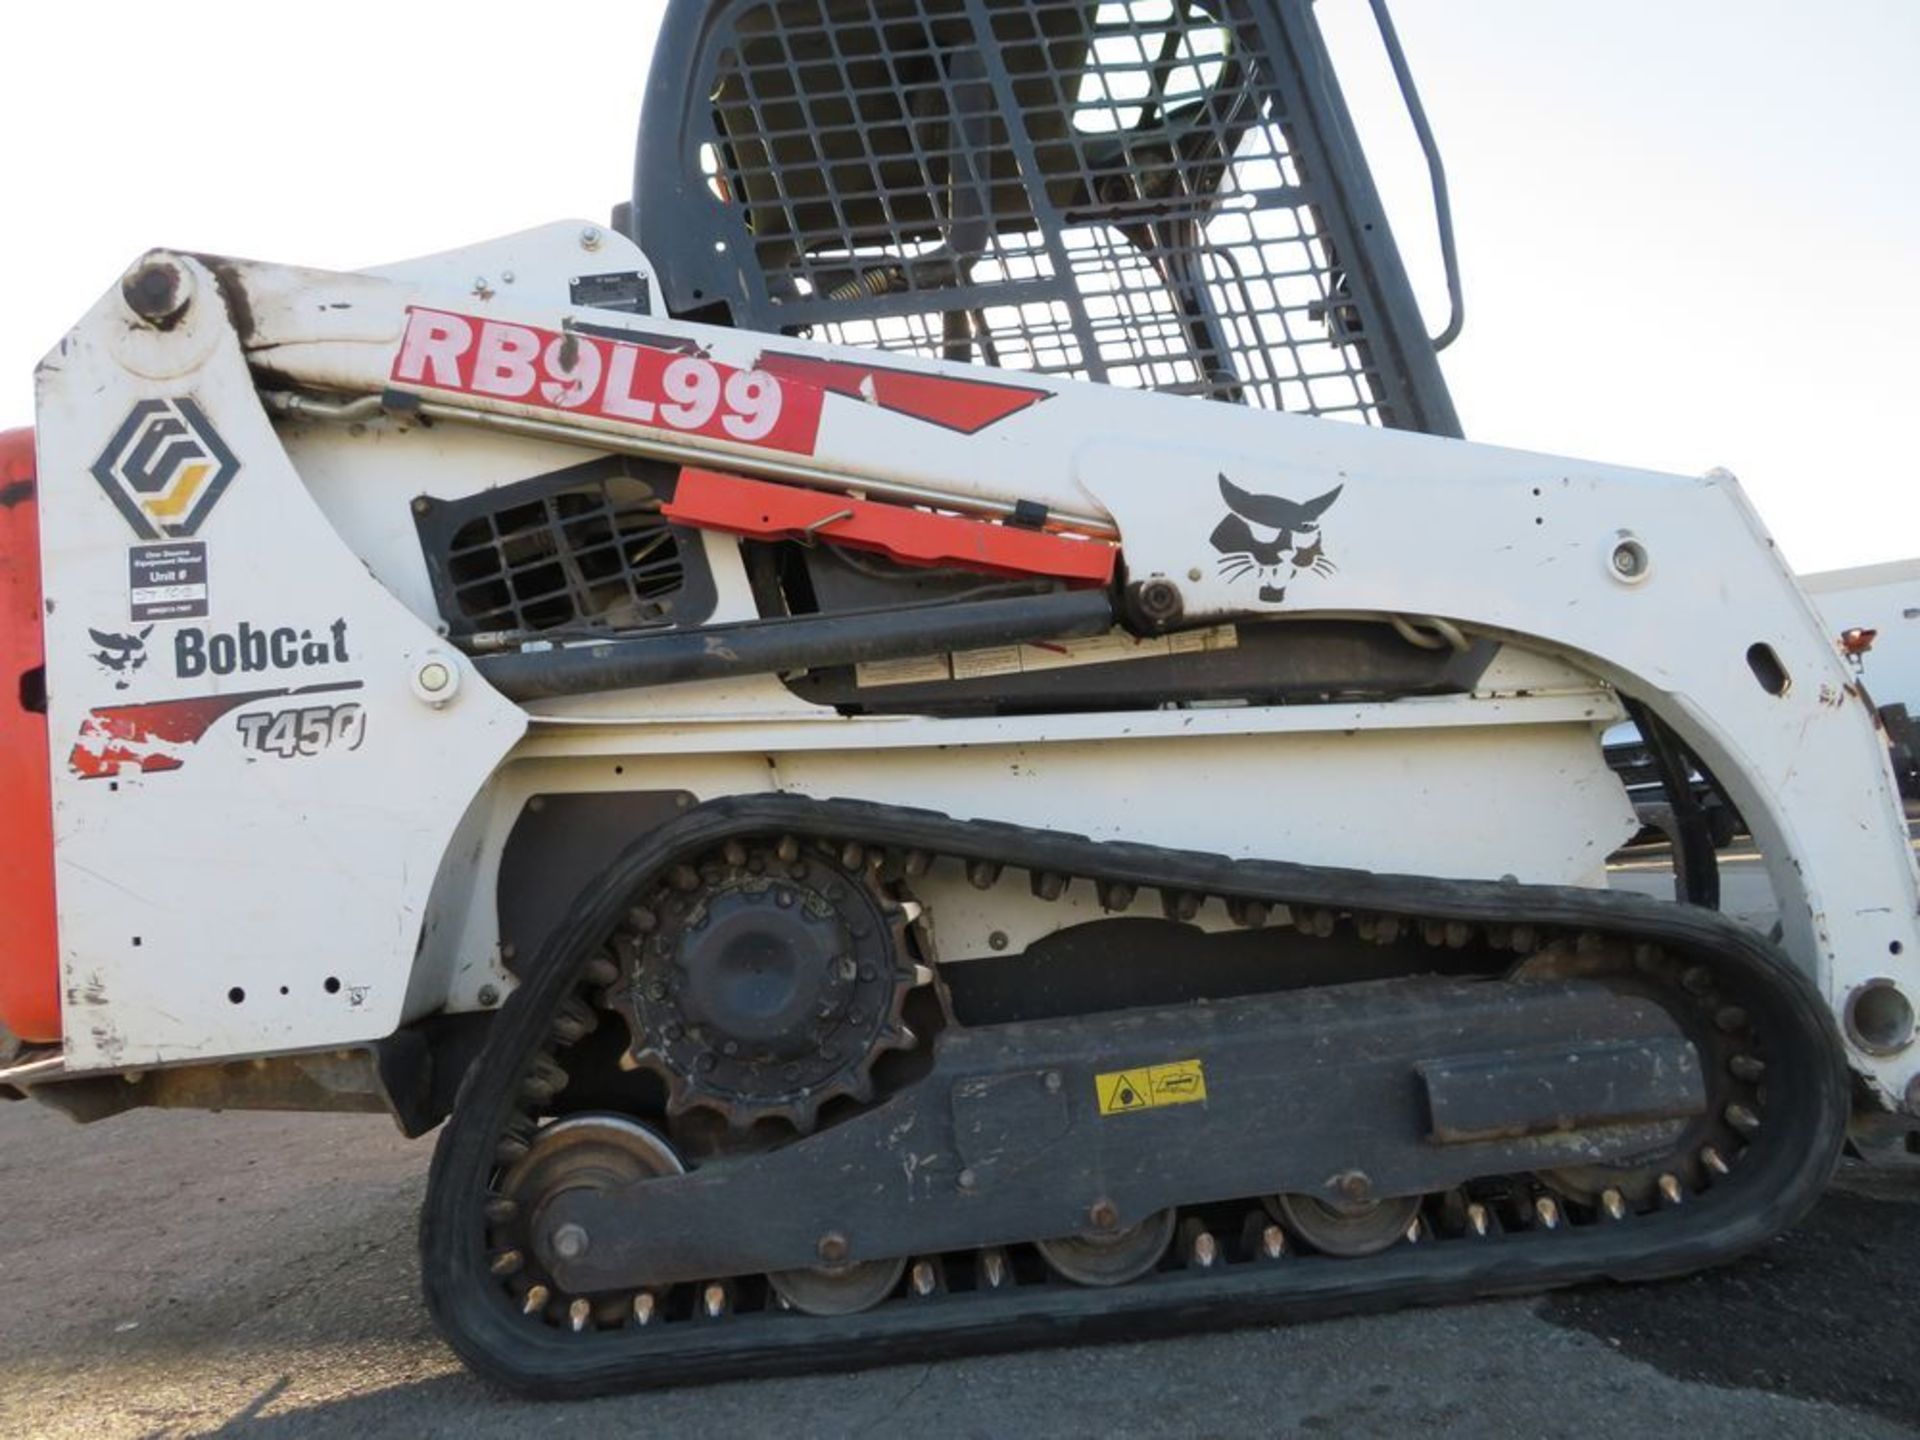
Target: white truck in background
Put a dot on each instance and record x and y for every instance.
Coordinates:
(1875, 610)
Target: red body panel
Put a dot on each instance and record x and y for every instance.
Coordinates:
(29, 952)
(767, 511)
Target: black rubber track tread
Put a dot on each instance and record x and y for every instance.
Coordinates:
(1780, 1177)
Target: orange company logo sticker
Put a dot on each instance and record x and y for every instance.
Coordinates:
(656, 387)
(165, 468)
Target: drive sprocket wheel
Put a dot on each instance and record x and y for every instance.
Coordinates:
(764, 980)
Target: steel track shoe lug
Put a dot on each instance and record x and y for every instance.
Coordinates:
(507, 1262)
(1199, 1250)
(995, 1273)
(1179, 904)
(1047, 884)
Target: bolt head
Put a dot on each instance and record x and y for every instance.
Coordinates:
(1103, 1214)
(1158, 600)
(489, 995)
(833, 1247)
(590, 238)
(1629, 560)
(570, 1241)
(436, 678)
(158, 291)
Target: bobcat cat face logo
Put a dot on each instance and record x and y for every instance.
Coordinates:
(1271, 537)
(120, 655)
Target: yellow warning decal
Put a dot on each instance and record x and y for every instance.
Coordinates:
(1148, 1087)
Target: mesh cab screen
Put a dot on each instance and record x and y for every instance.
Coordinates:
(1137, 192)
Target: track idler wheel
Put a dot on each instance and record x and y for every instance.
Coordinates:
(1111, 1257)
(600, 1152)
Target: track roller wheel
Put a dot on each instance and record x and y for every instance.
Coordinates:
(839, 1289)
(1347, 1228)
(1111, 1258)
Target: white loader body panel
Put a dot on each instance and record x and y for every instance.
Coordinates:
(303, 882)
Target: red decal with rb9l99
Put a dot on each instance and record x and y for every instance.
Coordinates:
(612, 379)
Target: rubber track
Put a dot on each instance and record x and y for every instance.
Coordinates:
(1780, 1175)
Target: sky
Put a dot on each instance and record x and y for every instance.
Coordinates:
(1688, 229)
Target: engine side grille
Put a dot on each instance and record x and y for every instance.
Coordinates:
(585, 549)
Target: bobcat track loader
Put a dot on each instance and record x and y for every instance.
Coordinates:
(867, 745)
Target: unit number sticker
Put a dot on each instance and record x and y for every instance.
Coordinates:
(611, 379)
(1148, 1087)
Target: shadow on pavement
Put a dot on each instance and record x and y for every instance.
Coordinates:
(1825, 1312)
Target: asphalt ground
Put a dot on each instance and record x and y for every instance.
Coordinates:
(177, 1274)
